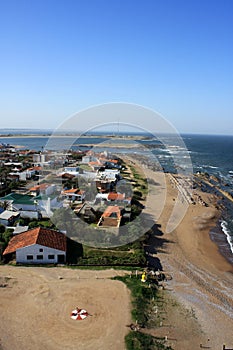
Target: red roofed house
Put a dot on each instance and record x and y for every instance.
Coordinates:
(73, 194)
(43, 188)
(32, 171)
(111, 217)
(38, 246)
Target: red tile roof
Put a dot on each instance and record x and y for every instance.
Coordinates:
(112, 210)
(42, 236)
(95, 163)
(37, 168)
(71, 190)
(39, 187)
(116, 196)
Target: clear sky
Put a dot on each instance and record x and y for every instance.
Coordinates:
(58, 57)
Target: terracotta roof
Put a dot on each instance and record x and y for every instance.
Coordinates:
(72, 190)
(112, 210)
(81, 192)
(94, 163)
(39, 235)
(39, 187)
(37, 168)
(116, 196)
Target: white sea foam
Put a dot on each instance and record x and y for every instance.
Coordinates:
(210, 166)
(226, 232)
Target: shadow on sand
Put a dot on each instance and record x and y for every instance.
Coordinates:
(155, 243)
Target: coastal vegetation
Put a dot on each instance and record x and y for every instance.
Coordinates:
(5, 236)
(144, 298)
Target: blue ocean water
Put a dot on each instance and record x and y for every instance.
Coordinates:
(212, 154)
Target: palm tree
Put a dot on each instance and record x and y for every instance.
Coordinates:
(6, 205)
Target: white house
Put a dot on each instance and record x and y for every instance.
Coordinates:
(38, 246)
(8, 217)
(24, 202)
(22, 175)
(74, 194)
(108, 174)
(73, 170)
(32, 171)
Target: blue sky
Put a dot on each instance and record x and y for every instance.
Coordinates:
(58, 57)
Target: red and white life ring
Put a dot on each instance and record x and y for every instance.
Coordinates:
(79, 314)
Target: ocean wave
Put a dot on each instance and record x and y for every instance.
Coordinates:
(213, 167)
(164, 156)
(209, 166)
(226, 232)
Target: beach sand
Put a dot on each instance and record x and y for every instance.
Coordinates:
(202, 278)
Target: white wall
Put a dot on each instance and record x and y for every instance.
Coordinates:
(22, 206)
(29, 214)
(21, 254)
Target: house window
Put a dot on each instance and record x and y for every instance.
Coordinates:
(39, 257)
(51, 256)
(29, 257)
(41, 250)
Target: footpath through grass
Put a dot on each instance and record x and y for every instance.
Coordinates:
(142, 296)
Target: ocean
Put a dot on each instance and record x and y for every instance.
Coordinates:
(212, 154)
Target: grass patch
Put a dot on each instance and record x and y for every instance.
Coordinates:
(142, 296)
(96, 256)
(141, 183)
(141, 341)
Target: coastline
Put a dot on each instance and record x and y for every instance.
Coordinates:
(81, 135)
(202, 277)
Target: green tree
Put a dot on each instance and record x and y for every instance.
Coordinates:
(2, 228)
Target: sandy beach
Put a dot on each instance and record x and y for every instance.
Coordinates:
(202, 278)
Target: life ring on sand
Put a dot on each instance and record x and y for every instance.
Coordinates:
(79, 314)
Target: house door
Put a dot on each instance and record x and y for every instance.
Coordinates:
(61, 258)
